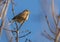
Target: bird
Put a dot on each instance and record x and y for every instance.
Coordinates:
(21, 17)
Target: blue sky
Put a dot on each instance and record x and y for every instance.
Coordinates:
(36, 22)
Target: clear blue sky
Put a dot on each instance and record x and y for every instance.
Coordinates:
(36, 22)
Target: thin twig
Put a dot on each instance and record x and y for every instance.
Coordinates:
(49, 25)
(25, 35)
(14, 12)
(9, 30)
(28, 40)
(4, 12)
(21, 25)
(47, 35)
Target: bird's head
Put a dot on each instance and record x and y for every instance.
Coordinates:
(26, 11)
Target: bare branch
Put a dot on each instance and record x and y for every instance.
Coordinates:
(45, 13)
(53, 14)
(25, 35)
(3, 14)
(9, 30)
(28, 40)
(45, 34)
(49, 25)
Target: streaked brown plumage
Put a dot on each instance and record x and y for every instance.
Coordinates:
(22, 17)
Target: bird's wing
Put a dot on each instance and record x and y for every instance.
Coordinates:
(17, 16)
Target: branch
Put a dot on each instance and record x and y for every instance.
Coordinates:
(57, 37)
(53, 14)
(9, 30)
(3, 14)
(21, 25)
(49, 25)
(14, 12)
(25, 35)
(28, 40)
(47, 36)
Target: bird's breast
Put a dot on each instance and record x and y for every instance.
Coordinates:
(27, 17)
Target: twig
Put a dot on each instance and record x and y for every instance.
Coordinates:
(11, 40)
(47, 35)
(9, 30)
(53, 14)
(49, 25)
(21, 25)
(14, 12)
(25, 35)
(28, 40)
(3, 14)
(17, 40)
(57, 37)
